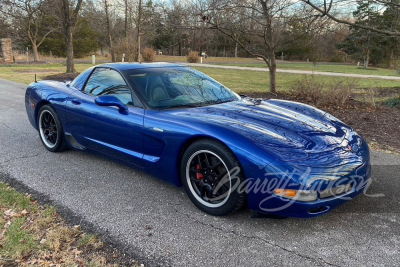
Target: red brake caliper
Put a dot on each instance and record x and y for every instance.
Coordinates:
(199, 175)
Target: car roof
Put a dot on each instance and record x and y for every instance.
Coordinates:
(133, 66)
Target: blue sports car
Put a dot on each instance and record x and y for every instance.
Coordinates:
(171, 121)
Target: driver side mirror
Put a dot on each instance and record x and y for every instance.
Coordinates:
(111, 101)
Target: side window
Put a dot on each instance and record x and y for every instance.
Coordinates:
(79, 81)
(105, 81)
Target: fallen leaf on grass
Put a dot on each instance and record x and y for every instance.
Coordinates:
(76, 252)
(11, 214)
(6, 226)
(46, 256)
(32, 262)
(80, 261)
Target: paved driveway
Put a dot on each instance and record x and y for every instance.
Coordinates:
(157, 224)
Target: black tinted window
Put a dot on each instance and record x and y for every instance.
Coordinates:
(105, 81)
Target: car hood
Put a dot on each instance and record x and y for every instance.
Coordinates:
(288, 130)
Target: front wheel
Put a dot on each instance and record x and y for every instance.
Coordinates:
(211, 176)
(51, 132)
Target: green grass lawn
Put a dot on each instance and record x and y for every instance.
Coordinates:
(26, 73)
(241, 81)
(309, 66)
(325, 67)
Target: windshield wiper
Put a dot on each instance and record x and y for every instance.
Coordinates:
(193, 105)
(220, 101)
(202, 104)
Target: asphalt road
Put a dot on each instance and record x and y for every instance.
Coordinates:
(157, 224)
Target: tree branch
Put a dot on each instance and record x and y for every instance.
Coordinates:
(44, 37)
(241, 45)
(336, 19)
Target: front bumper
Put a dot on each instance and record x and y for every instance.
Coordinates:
(268, 202)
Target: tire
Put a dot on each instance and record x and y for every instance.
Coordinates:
(51, 132)
(212, 187)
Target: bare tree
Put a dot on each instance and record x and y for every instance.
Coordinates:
(5, 25)
(29, 17)
(126, 17)
(330, 8)
(69, 17)
(109, 30)
(138, 26)
(257, 26)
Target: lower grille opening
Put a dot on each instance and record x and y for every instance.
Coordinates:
(318, 210)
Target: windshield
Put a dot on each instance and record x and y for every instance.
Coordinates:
(178, 87)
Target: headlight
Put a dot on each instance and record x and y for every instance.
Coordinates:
(298, 195)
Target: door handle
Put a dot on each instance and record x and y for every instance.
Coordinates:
(76, 102)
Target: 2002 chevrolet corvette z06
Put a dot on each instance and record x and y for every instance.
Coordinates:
(176, 123)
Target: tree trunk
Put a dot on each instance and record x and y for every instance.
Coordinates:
(126, 18)
(138, 30)
(391, 61)
(272, 73)
(35, 52)
(68, 37)
(113, 59)
(69, 19)
(33, 39)
(70, 51)
(366, 61)
(108, 24)
(236, 49)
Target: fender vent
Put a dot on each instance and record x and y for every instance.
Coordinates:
(71, 140)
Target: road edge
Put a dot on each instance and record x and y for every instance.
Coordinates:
(71, 218)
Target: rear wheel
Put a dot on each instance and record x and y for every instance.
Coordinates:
(51, 132)
(211, 176)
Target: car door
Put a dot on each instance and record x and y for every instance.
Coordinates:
(104, 128)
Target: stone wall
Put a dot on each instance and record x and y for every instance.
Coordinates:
(6, 50)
